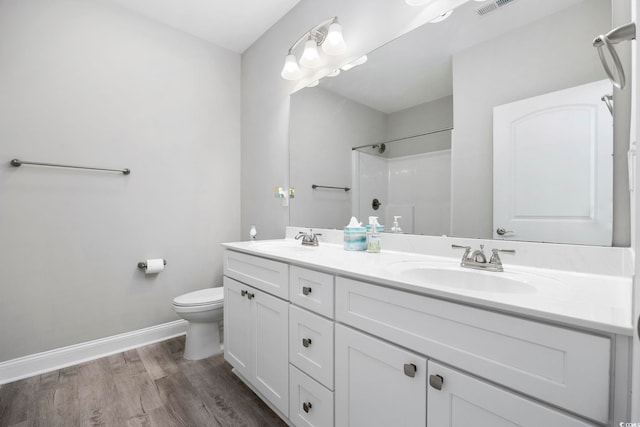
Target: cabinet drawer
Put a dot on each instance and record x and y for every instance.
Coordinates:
(310, 403)
(567, 368)
(312, 290)
(311, 344)
(264, 274)
(463, 400)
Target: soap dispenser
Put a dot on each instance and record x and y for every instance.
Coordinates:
(253, 233)
(373, 235)
(396, 228)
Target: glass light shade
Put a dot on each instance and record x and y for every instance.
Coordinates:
(310, 56)
(291, 69)
(334, 42)
(314, 83)
(333, 73)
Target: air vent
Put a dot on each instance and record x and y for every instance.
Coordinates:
(494, 5)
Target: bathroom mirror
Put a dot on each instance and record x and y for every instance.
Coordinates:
(420, 110)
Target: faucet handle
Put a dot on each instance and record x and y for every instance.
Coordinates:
(504, 251)
(495, 258)
(461, 247)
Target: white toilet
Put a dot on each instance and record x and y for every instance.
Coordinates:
(203, 310)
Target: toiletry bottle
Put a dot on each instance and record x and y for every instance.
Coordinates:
(253, 233)
(373, 235)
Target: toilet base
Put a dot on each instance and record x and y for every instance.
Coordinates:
(203, 340)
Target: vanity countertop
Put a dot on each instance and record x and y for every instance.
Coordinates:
(593, 301)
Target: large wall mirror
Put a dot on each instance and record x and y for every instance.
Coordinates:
(489, 124)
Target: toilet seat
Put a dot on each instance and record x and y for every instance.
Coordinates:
(209, 296)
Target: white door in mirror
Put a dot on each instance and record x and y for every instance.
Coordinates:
(553, 167)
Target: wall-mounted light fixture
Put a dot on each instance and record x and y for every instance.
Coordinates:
(327, 35)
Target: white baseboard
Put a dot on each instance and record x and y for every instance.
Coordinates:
(39, 363)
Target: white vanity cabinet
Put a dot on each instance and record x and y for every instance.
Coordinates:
(256, 327)
(336, 351)
(378, 383)
(458, 399)
(563, 367)
(311, 347)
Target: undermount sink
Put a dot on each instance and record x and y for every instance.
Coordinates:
(454, 276)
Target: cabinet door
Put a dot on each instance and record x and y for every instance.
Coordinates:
(271, 343)
(238, 328)
(457, 400)
(376, 383)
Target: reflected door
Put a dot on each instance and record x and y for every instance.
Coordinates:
(553, 167)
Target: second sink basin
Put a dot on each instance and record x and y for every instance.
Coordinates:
(454, 276)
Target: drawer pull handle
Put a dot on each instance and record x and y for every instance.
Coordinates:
(436, 381)
(306, 406)
(306, 290)
(410, 369)
(250, 295)
(306, 342)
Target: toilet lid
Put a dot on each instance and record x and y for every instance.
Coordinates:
(201, 297)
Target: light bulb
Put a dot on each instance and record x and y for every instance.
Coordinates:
(334, 42)
(291, 69)
(310, 56)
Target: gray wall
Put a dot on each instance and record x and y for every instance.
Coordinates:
(90, 84)
(508, 59)
(323, 129)
(265, 95)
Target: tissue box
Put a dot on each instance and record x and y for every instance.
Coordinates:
(355, 239)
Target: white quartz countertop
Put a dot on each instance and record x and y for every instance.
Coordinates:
(593, 301)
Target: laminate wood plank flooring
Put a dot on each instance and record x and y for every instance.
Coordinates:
(149, 386)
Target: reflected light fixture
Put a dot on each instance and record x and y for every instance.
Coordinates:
(355, 63)
(419, 2)
(328, 35)
(442, 17)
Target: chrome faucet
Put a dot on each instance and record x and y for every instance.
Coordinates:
(308, 239)
(478, 260)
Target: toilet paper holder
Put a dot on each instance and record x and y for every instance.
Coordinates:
(142, 265)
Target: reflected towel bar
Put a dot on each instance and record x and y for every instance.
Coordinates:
(17, 163)
(314, 186)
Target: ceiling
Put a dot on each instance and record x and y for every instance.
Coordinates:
(231, 24)
(417, 67)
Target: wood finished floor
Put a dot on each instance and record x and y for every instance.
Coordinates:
(148, 386)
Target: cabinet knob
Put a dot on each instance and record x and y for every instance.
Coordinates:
(410, 369)
(243, 293)
(306, 406)
(436, 381)
(306, 342)
(306, 290)
(250, 295)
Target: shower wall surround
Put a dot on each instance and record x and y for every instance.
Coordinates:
(91, 84)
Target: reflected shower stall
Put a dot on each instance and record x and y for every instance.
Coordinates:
(408, 177)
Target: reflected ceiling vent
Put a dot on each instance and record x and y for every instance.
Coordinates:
(492, 6)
